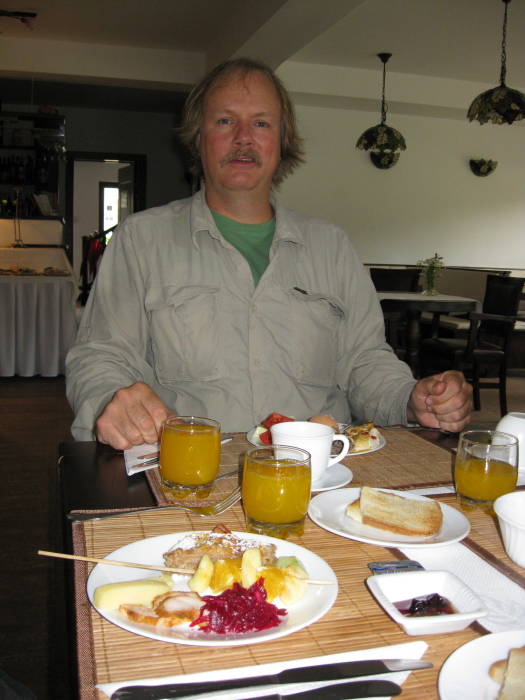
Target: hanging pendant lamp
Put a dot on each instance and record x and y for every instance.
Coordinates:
(382, 140)
(501, 104)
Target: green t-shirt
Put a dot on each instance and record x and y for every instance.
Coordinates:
(253, 241)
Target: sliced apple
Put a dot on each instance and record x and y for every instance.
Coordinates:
(251, 563)
(201, 579)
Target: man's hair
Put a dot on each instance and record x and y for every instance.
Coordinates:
(291, 142)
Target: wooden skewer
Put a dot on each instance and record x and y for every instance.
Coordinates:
(149, 567)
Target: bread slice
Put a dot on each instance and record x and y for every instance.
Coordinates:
(404, 516)
(497, 670)
(513, 687)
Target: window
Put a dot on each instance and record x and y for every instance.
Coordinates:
(108, 206)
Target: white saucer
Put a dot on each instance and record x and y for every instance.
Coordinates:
(334, 477)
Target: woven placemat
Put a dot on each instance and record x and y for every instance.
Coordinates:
(110, 654)
(406, 461)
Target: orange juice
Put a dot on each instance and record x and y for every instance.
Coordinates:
(189, 453)
(484, 479)
(276, 491)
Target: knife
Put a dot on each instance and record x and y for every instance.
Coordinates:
(323, 672)
(339, 691)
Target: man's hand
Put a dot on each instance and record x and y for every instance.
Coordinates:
(133, 416)
(441, 401)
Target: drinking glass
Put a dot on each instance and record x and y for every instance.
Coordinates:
(486, 468)
(190, 453)
(276, 490)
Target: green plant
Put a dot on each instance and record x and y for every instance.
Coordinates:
(432, 268)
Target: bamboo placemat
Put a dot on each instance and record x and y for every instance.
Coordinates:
(407, 460)
(109, 654)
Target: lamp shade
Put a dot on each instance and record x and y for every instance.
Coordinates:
(381, 138)
(501, 105)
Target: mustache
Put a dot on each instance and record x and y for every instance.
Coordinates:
(241, 153)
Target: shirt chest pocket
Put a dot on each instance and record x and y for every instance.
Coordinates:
(184, 333)
(316, 319)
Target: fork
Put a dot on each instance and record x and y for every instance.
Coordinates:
(205, 511)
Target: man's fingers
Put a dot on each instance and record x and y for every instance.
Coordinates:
(133, 416)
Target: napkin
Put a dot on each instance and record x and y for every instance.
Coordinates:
(135, 465)
(410, 650)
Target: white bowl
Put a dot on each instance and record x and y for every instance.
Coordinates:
(510, 509)
(394, 588)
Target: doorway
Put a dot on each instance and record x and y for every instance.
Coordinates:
(84, 173)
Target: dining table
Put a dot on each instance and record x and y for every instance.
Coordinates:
(93, 481)
(413, 304)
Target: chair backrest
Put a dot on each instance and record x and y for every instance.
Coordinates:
(389, 279)
(92, 249)
(502, 296)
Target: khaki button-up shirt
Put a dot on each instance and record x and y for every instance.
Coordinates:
(174, 306)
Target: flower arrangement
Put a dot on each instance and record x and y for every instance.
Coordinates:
(432, 268)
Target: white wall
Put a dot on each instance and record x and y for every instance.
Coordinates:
(430, 201)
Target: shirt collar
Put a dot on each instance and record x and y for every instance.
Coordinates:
(201, 221)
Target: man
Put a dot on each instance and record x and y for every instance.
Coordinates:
(230, 306)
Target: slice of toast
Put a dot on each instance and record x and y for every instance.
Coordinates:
(404, 516)
(513, 686)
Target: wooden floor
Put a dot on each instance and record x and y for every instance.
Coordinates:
(34, 419)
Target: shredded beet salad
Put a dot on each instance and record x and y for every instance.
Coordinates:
(238, 609)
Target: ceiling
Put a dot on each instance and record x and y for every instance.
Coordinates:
(452, 39)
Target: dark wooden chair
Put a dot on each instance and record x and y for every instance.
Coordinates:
(387, 279)
(92, 250)
(484, 353)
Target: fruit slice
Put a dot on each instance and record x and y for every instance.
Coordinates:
(273, 581)
(201, 579)
(226, 572)
(251, 563)
(294, 585)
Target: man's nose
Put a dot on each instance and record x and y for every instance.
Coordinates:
(243, 133)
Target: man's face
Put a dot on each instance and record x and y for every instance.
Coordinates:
(239, 140)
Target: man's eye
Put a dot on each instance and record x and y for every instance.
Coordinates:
(224, 120)
(261, 122)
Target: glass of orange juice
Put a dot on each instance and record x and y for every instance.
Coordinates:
(486, 468)
(276, 490)
(190, 453)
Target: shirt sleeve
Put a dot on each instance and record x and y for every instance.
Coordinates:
(377, 383)
(111, 345)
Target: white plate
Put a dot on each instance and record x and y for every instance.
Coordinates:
(465, 674)
(334, 477)
(316, 602)
(381, 442)
(328, 511)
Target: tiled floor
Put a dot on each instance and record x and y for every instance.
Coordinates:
(34, 419)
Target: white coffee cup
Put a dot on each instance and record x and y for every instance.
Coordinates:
(514, 424)
(316, 439)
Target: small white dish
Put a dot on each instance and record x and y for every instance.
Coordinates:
(510, 509)
(333, 478)
(388, 589)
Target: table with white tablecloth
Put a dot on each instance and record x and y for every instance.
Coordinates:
(37, 312)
